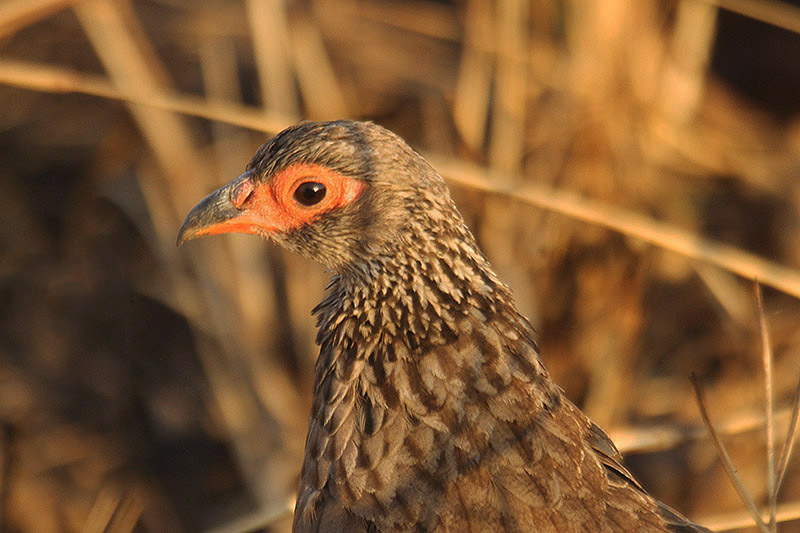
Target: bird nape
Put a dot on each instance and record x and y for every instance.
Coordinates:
(432, 410)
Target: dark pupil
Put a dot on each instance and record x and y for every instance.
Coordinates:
(310, 193)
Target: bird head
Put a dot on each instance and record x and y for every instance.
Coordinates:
(342, 193)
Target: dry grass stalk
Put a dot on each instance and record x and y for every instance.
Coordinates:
(778, 14)
(769, 408)
(130, 509)
(683, 82)
(269, 29)
(116, 510)
(629, 223)
(791, 439)
(48, 78)
(105, 505)
(509, 108)
(725, 458)
(258, 520)
(231, 146)
(665, 437)
(219, 66)
(416, 16)
(472, 97)
(647, 229)
(774, 476)
(17, 14)
(133, 64)
(4, 459)
(729, 292)
(323, 95)
(731, 521)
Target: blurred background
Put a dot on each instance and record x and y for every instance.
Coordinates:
(628, 166)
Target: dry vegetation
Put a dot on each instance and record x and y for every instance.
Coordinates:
(629, 166)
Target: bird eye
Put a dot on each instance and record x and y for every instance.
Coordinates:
(310, 193)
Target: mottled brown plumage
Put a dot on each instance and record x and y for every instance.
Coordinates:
(432, 410)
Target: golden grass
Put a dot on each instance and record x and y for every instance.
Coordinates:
(599, 111)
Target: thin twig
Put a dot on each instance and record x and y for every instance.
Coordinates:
(725, 458)
(766, 360)
(791, 438)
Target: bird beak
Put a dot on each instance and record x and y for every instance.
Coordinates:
(224, 211)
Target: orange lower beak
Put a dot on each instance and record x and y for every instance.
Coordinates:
(222, 211)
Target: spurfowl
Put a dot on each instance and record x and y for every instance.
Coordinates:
(432, 410)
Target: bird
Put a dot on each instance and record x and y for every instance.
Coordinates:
(432, 410)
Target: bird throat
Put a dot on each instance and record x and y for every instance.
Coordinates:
(435, 296)
(411, 301)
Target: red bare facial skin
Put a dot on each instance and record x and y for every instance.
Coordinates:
(256, 207)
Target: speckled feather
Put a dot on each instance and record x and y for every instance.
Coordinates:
(432, 410)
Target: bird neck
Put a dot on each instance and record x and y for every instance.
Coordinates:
(404, 304)
(416, 292)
